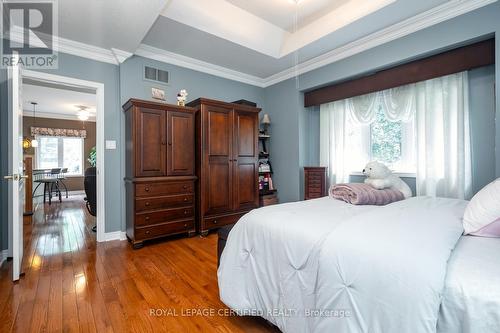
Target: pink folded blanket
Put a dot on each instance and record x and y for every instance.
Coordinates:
(364, 194)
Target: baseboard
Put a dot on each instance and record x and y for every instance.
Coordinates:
(115, 235)
(79, 192)
(3, 256)
(39, 197)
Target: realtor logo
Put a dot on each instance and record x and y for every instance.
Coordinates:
(28, 30)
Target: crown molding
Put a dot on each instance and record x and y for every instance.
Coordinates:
(120, 55)
(424, 20)
(72, 47)
(197, 65)
(86, 51)
(416, 23)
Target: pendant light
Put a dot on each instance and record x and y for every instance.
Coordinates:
(34, 142)
(83, 114)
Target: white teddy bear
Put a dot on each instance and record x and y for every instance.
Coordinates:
(379, 177)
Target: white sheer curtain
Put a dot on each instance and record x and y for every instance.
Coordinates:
(332, 141)
(440, 107)
(443, 137)
(345, 128)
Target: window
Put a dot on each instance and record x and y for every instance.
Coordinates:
(392, 143)
(61, 152)
(421, 130)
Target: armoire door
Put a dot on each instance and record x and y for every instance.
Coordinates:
(245, 160)
(217, 150)
(180, 148)
(150, 158)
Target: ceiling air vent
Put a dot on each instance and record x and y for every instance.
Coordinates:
(155, 74)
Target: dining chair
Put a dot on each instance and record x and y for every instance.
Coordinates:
(61, 178)
(50, 183)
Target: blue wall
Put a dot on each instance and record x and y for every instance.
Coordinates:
(482, 125)
(283, 102)
(287, 147)
(108, 74)
(294, 129)
(121, 83)
(196, 83)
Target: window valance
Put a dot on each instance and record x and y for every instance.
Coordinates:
(450, 62)
(45, 131)
(398, 104)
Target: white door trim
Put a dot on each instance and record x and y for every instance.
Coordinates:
(99, 89)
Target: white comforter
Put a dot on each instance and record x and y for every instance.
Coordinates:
(326, 266)
(471, 297)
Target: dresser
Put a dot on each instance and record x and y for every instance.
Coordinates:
(159, 169)
(314, 182)
(226, 162)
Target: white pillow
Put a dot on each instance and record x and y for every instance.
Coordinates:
(483, 209)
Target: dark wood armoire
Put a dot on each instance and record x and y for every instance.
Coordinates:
(160, 170)
(226, 162)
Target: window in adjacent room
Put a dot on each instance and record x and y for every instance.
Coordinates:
(61, 152)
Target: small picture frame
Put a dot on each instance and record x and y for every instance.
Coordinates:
(158, 94)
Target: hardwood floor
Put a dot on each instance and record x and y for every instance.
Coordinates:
(73, 285)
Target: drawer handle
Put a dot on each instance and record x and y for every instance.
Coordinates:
(185, 225)
(147, 204)
(146, 189)
(148, 232)
(185, 212)
(147, 218)
(185, 187)
(215, 221)
(185, 199)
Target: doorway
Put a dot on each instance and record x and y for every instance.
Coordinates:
(84, 89)
(45, 80)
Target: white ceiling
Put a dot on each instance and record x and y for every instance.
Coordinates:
(56, 103)
(119, 24)
(252, 41)
(247, 23)
(282, 13)
(199, 44)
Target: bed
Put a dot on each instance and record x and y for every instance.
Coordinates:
(326, 266)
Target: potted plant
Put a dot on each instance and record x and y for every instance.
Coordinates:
(92, 157)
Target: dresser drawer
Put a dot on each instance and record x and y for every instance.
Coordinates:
(145, 204)
(163, 229)
(163, 216)
(163, 188)
(315, 189)
(314, 195)
(315, 182)
(216, 222)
